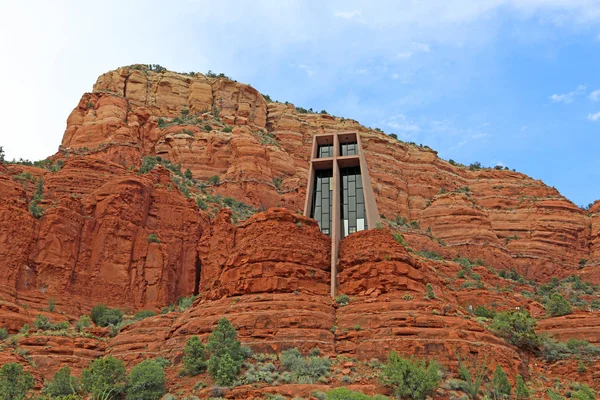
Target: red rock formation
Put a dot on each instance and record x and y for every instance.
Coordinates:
(270, 274)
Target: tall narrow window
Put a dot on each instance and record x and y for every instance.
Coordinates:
(322, 199)
(353, 213)
(349, 149)
(325, 151)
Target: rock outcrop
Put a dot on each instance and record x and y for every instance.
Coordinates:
(123, 224)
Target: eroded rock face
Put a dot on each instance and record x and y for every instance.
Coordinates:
(92, 241)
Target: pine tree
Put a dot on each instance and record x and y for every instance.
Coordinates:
(500, 383)
(194, 358)
(521, 391)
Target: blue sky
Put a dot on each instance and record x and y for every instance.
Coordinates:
(511, 82)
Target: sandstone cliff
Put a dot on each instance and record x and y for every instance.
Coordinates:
(117, 231)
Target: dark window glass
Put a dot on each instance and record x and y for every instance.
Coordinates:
(353, 201)
(325, 151)
(321, 208)
(348, 149)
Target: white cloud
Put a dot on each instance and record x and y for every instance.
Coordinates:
(402, 126)
(423, 47)
(567, 98)
(309, 71)
(347, 14)
(594, 117)
(595, 95)
(414, 48)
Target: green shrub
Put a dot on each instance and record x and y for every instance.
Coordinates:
(342, 300)
(51, 305)
(399, 238)
(148, 163)
(583, 392)
(35, 210)
(43, 323)
(521, 391)
(214, 180)
(3, 333)
(518, 328)
(303, 370)
(430, 293)
(227, 129)
(226, 370)
(186, 302)
(62, 384)
(83, 323)
(194, 356)
(552, 395)
(318, 395)
(104, 316)
(188, 174)
(572, 348)
(146, 381)
(14, 382)
(143, 314)
(153, 238)
(473, 377)
(482, 311)
(558, 306)
(201, 204)
(581, 367)
(410, 377)
(501, 387)
(105, 378)
(226, 353)
(207, 128)
(343, 393)
(432, 255)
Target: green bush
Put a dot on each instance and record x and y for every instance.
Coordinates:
(303, 370)
(14, 382)
(146, 381)
(143, 314)
(400, 239)
(430, 293)
(188, 174)
(583, 392)
(62, 384)
(43, 323)
(482, 311)
(410, 377)
(342, 300)
(518, 328)
(572, 348)
(558, 306)
(521, 391)
(226, 353)
(3, 333)
(51, 305)
(105, 378)
(83, 323)
(104, 316)
(473, 376)
(227, 129)
(194, 356)
(501, 387)
(226, 370)
(153, 238)
(343, 393)
(186, 302)
(148, 163)
(214, 180)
